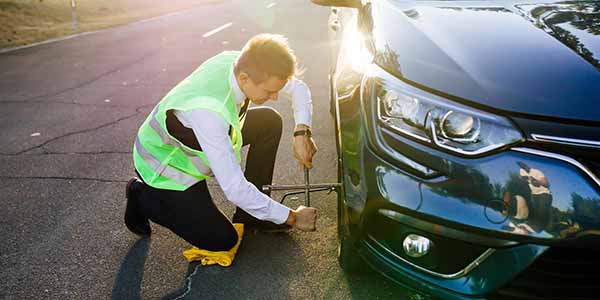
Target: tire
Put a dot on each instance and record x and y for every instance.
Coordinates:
(348, 258)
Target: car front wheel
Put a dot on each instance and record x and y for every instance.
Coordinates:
(348, 257)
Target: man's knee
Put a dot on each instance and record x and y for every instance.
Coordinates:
(263, 127)
(273, 119)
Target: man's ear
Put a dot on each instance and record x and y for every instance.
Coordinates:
(243, 77)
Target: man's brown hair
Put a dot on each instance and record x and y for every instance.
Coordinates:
(266, 55)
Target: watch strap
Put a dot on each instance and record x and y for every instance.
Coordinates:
(304, 132)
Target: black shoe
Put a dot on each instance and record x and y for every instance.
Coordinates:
(252, 223)
(134, 220)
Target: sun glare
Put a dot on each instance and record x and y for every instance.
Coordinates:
(358, 55)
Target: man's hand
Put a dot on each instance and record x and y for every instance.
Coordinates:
(304, 147)
(303, 218)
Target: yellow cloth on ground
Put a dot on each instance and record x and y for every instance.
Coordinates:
(223, 258)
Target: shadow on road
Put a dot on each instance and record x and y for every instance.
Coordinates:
(368, 284)
(128, 280)
(372, 285)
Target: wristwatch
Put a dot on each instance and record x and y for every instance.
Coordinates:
(305, 132)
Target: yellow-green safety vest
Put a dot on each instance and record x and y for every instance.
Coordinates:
(164, 162)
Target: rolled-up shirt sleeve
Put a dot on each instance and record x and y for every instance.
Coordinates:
(299, 93)
(211, 131)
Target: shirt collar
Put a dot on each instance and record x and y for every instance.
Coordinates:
(237, 91)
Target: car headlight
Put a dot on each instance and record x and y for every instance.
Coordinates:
(436, 120)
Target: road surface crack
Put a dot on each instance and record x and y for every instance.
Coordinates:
(63, 178)
(73, 153)
(60, 102)
(188, 282)
(137, 112)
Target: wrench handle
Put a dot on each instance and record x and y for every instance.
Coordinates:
(307, 189)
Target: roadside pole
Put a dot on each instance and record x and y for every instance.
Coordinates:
(74, 24)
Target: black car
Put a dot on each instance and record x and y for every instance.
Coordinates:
(468, 135)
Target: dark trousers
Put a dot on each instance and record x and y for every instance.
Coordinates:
(192, 214)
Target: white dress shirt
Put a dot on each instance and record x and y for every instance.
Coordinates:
(211, 131)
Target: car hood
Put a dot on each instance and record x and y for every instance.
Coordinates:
(518, 58)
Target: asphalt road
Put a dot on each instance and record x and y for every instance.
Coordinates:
(70, 112)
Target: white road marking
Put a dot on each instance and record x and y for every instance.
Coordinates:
(216, 30)
(271, 5)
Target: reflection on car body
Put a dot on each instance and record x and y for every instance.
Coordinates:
(468, 136)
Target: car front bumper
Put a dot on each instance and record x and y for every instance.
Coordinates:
(482, 239)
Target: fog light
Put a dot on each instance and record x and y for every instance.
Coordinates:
(416, 245)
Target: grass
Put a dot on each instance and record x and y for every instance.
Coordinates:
(24, 22)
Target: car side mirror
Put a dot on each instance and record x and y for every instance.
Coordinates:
(339, 3)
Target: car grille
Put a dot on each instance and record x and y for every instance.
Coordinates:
(559, 273)
(594, 167)
(550, 133)
(586, 156)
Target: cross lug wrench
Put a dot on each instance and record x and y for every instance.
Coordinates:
(307, 187)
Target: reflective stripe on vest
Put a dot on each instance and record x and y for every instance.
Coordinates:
(167, 139)
(163, 169)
